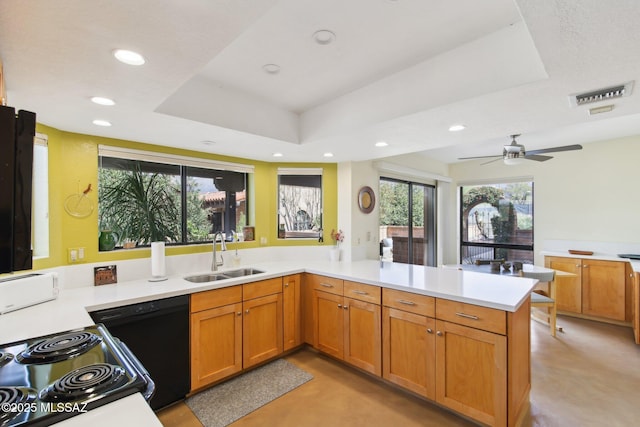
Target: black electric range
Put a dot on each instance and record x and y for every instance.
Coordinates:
(50, 378)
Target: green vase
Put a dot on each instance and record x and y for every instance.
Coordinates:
(107, 240)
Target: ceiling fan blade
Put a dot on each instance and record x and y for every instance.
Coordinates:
(479, 157)
(555, 149)
(491, 161)
(537, 157)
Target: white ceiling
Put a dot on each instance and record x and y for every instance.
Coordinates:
(401, 71)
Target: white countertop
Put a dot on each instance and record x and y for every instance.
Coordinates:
(70, 309)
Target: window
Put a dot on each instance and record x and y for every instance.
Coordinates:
(497, 222)
(299, 203)
(145, 197)
(407, 222)
(40, 208)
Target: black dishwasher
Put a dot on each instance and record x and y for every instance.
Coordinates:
(157, 332)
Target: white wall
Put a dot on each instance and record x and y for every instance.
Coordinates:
(589, 195)
(362, 230)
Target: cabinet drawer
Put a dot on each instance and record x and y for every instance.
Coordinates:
(362, 292)
(484, 318)
(326, 284)
(406, 301)
(215, 298)
(261, 288)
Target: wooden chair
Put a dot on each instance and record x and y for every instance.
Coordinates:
(541, 300)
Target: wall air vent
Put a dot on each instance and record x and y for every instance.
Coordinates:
(598, 95)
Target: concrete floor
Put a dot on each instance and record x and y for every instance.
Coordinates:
(589, 375)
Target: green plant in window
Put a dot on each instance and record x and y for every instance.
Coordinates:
(138, 206)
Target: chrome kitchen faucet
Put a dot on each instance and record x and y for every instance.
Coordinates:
(223, 247)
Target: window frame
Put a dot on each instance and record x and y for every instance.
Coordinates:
(429, 219)
(507, 246)
(40, 238)
(183, 163)
(284, 234)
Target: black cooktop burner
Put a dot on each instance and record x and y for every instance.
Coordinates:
(14, 396)
(61, 375)
(84, 383)
(58, 348)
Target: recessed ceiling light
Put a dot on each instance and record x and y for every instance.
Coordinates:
(271, 68)
(381, 144)
(102, 101)
(324, 37)
(129, 57)
(207, 142)
(328, 154)
(99, 122)
(456, 128)
(277, 154)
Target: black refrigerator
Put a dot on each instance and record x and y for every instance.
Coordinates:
(16, 168)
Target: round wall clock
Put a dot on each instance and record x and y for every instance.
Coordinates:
(366, 199)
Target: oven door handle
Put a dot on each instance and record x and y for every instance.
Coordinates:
(151, 386)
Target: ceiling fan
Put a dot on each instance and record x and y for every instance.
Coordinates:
(515, 153)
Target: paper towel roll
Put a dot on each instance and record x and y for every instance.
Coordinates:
(157, 260)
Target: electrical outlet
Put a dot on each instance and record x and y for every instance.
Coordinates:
(81, 254)
(73, 255)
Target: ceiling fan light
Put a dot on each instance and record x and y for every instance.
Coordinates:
(512, 161)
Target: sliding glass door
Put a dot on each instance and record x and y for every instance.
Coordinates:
(407, 222)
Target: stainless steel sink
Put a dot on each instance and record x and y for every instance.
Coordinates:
(203, 278)
(212, 277)
(242, 272)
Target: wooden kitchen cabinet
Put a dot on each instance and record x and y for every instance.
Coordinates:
(601, 288)
(437, 348)
(348, 327)
(234, 328)
(262, 326)
(464, 356)
(408, 341)
(636, 306)
(329, 323)
(291, 303)
(216, 335)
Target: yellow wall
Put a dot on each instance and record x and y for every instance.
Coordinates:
(73, 164)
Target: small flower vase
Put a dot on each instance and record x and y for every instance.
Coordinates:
(334, 253)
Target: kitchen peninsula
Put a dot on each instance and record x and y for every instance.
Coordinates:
(486, 318)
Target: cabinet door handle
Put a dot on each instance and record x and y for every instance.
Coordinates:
(439, 333)
(356, 291)
(286, 285)
(468, 316)
(429, 330)
(247, 311)
(346, 307)
(326, 285)
(239, 313)
(339, 305)
(406, 302)
(585, 266)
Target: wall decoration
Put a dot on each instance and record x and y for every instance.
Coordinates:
(249, 233)
(105, 275)
(366, 200)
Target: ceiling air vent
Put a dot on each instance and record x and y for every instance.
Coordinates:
(598, 95)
